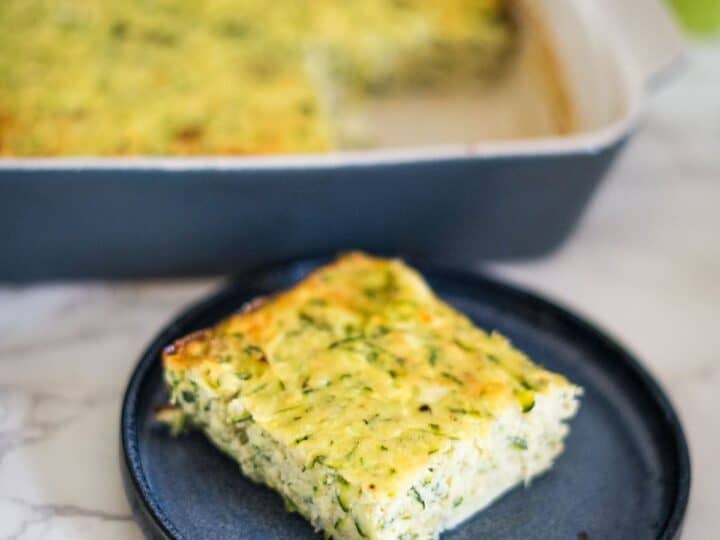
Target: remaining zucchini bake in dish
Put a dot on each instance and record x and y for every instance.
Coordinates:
(223, 76)
(374, 408)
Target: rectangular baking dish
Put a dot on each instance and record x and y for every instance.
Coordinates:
(132, 217)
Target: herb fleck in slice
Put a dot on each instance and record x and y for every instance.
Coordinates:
(526, 399)
(518, 443)
(302, 439)
(464, 346)
(451, 377)
(433, 356)
(257, 389)
(417, 496)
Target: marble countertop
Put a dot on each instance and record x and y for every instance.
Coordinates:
(644, 264)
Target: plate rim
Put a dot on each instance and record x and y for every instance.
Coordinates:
(151, 518)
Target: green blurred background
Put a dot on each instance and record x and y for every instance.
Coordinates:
(699, 17)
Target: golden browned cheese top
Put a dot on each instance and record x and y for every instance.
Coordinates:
(362, 367)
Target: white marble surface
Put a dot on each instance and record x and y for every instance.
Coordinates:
(645, 264)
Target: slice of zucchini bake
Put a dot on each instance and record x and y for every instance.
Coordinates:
(374, 408)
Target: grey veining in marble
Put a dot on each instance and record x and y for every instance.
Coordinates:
(644, 264)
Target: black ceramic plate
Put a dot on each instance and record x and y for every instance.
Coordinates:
(625, 472)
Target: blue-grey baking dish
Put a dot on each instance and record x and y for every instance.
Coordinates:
(124, 217)
(625, 472)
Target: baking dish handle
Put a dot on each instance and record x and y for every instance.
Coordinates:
(650, 36)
